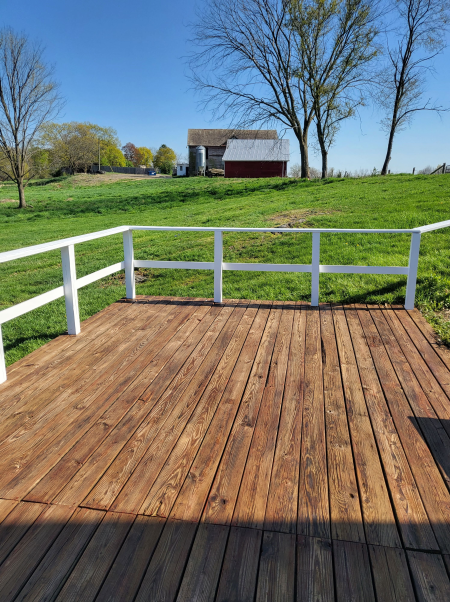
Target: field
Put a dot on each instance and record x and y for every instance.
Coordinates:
(65, 207)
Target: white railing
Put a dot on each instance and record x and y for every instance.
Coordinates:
(71, 283)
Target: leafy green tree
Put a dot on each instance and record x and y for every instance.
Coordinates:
(145, 156)
(76, 145)
(165, 159)
(112, 156)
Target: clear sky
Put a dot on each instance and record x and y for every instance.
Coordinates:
(120, 64)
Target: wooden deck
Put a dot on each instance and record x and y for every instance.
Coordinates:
(181, 450)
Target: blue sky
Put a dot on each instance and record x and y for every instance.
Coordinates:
(120, 64)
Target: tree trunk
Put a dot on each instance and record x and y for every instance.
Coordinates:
(389, 151)
(323, 148)
(22, 202)
(303, 142)
(324, 163)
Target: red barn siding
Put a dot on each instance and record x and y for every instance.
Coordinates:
(255, 169)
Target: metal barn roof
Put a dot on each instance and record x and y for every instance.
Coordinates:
(257, 150)
(214, 137)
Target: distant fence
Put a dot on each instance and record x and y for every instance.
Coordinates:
(132, 170)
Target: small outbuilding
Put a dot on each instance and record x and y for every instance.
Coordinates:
(182, 169)
(256, 158)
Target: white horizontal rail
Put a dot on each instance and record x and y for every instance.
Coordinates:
(90, 278)
(436, 226)
(267, 267)
(72, 283)
(23, 308)
(181, 265)
(58, 244)
(279, 230)
(362, 269)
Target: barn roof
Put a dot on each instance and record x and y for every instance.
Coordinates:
(220, 137)
(257, 150)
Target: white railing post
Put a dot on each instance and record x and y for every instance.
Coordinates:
(128, 253)
(70, 289)
(218, 265)
(2, 359)
(315, 267)
(414, 251)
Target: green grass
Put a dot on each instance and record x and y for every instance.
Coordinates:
(58, 208)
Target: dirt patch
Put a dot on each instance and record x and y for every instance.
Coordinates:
(139, 277)
(297, 218)
(8, 201)
(107, 178)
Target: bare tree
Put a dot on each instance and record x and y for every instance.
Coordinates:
(245, 67)
(337, 42)
(28, 98)
(420, 27)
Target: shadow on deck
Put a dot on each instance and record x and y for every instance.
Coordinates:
(182, 450)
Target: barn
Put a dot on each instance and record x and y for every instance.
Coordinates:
(256, 158)
(215, 142)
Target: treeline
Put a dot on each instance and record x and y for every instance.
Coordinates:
(75, 147)
(309, 65)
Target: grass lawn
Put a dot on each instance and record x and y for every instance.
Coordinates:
(61, 208)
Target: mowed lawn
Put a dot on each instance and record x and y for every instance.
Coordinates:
(60, 208)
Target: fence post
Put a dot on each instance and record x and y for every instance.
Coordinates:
(413, 264)
(315, 266)
(2, 359)
(70, 289)
(128, 253)
(218, 265)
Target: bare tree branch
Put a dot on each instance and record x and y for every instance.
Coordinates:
(28, 98)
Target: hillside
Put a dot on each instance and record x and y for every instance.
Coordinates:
(62, 207)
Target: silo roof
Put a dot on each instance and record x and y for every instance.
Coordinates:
(257, 150)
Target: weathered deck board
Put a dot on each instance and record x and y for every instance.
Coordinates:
(182, 450)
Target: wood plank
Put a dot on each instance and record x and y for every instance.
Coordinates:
(431, 335)
(282, 500)
(411, 516)
(251, 503)
(16, 524)
(191, 500)
(133, 495)
(434, 493)
(166, 568)
(83, 368)
(26, 480)
(49, 577)
(313, 506)
(112, 482)
(426, 420)
(41, 429)
(430, 577)
(225, 488)
(378, 516)
(77, 473)
(352, 572)
(345, 510)
(125, 576)
(314, 569)
(436, 396)
(20, 564)
(240, 566)
(90, 571)
(33, 366)
(276, 578)
(6, 506)
(390, 574)
(163, 492)
(205, 561)
(428, 352)
(18, 401)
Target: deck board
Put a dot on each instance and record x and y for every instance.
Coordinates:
(180, 450)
